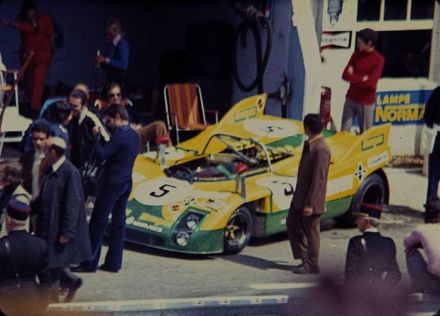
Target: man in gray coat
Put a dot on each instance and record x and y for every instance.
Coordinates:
(308, 201)
(61, 218)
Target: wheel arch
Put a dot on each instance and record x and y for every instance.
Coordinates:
(384, 177)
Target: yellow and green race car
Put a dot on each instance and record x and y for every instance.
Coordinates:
(236, 179)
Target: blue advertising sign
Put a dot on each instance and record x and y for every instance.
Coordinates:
(400, 107)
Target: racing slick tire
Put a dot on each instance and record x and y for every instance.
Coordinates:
(237, 231)
(373, 191)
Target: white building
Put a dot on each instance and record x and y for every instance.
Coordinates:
(408, 38)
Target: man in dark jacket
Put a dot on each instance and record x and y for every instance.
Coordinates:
(61, 220)
(308, 203)
(34, 162)
(119, 153)
(371, 258)
(81, 126)
(26, 256)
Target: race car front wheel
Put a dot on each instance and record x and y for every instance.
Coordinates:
(238, 231)
(372, 191)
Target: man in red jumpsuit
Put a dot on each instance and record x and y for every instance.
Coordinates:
(37, 36)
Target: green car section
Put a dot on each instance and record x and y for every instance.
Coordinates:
(140, 231)
(275, 222)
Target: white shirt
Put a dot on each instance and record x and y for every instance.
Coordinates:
(58, 164)
(431, 134)
(38, 157)
(116, 40)
(371, 230)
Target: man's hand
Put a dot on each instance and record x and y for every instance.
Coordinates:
(63, 239)
(411, 250)
(307, 211)
(96, 130)
(101, 59)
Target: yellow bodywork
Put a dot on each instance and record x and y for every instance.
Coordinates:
(353, 159)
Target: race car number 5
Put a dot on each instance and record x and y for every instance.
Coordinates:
(163, 190)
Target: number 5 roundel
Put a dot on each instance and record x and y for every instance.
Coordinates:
(161, 191)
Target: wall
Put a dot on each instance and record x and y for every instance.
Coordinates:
(153, 28)
(405, 116)
(286, 57)
(83, 23)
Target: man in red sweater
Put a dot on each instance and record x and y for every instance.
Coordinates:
(362, 72)
(37, 36)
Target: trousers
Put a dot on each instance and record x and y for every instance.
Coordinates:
(421, 279)
(364, 113)
(304, 236)
(112, 199)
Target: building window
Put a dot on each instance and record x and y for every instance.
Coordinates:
(422, 9)
(406, 53)
(395, 10)
(368, 10)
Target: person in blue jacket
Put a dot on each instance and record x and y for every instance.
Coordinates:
(119, 154)
(114, 59)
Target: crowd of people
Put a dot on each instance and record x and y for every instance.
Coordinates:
(44, 195)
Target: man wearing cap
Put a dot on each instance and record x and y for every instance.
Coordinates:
(424, 274)
(23, 258)
(371, 257)
(61, 218)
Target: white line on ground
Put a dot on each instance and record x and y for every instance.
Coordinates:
(177, 303)
(280, 286)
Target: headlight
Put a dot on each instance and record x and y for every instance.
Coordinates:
(182, 238)
(192, 220)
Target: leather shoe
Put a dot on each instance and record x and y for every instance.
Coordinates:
(107, 269)
(305, 269)
(72, 290)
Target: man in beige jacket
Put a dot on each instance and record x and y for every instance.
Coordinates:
(308, 201)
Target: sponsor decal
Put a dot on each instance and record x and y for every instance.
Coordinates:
(360, 172)
(377, 160)
(132, 221)
(153, 219)
(372, 141)
(338, 40)
(282, 189)
(245, 113)
(339, 185)
(271, 128)
(400, 107)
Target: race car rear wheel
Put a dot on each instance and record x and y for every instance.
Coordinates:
(238, 231)
(373, 191)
